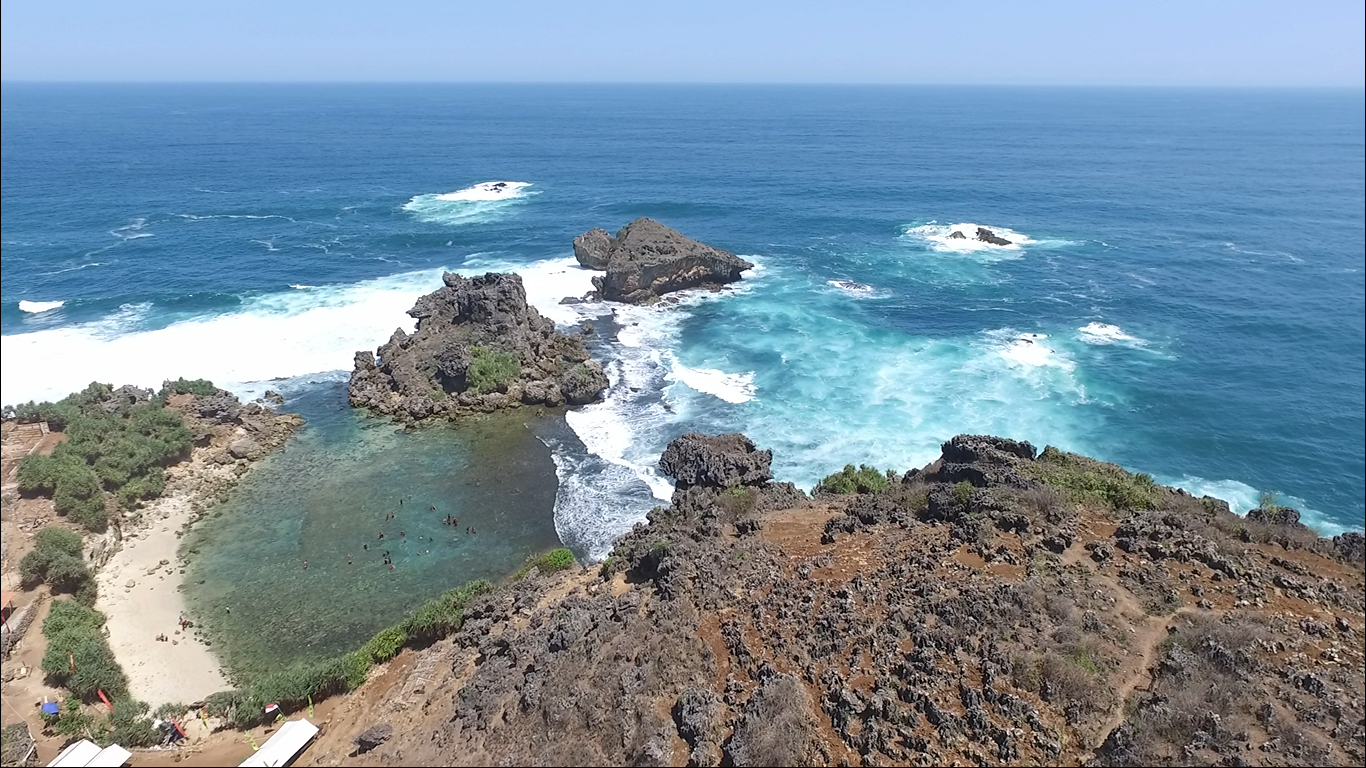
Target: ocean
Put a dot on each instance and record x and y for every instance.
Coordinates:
(1182, 295)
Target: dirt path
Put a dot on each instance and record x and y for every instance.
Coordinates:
(1147, 634)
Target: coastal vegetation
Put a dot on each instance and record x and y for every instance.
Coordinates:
(864, 479)
(116, 442)
(78, 657)
(56, 560)
(1084, 480)
(491, 370)
(554, 560)
(299, 686)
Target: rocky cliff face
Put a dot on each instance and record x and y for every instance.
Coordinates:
(647, 260)
(478, 346)
(1001, 606)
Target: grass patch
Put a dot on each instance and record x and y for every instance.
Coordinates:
(297, 687)
(554, 560)
(492, 370)
(1081, 480)
(864, 479)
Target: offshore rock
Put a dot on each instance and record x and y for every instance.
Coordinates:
(647, 260)
(466, 329)
(987, 236)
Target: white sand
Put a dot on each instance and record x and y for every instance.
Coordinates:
(185, 670)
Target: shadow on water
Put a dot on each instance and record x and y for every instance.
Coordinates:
(325, 498)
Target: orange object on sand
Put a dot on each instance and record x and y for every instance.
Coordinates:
(105, 699)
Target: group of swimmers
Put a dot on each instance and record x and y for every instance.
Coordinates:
(388, 559)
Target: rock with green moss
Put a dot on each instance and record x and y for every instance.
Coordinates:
(478, 347)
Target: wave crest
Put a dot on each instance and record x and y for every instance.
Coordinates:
(1102, 334)
(35, 307)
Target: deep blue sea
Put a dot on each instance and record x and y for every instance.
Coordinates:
(1183, 294)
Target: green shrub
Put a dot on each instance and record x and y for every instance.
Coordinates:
(492, 370)
(82, 500)
(73, 720)
(554, 560)
(183, 386)
(75, 638)
(129, 725)
(123, 450)
(865, 479)
(1084, 479)
(963, 492)
(55, 559)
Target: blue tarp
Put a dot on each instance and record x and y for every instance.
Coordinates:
(50, 708)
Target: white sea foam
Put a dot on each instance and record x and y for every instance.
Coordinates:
(489, 190)
(281, 334)
(301, 287)
(481, 202)
(1104, 333)
(1242, 498)
(730, 387)
(941, 238)
(1029, 349)
(850, 286)
(34, 307)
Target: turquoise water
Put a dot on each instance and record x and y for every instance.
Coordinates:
(1184, 294)
(326, 497)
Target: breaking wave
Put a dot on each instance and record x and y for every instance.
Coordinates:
(482, 202)
(35, 307)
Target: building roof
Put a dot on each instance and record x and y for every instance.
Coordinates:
(88, 753)
(282, 747)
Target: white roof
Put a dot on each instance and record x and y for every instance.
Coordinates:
(287, 742)
(88, 753)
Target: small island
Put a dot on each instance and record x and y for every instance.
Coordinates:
(478, 347)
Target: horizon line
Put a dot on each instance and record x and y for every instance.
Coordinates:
(708, 83)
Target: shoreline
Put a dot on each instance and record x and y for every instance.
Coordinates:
(142, 573)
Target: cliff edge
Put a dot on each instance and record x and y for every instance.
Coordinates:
(1000, 606)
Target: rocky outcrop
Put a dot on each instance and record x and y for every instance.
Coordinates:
(593, 248)
(1013, 616)
(987, 236)
(478, 346)
(373, 737)
(715, 461)
(647, 260)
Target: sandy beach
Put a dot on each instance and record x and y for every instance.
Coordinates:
(181, 669)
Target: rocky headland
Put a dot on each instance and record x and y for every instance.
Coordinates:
(1000, 606)
(478, 347)
(646, 260)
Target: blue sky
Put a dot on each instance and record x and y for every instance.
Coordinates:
(1044, 42)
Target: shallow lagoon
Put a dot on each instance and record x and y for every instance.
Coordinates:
(324, 498)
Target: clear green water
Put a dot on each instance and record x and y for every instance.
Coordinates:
(325, 496)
